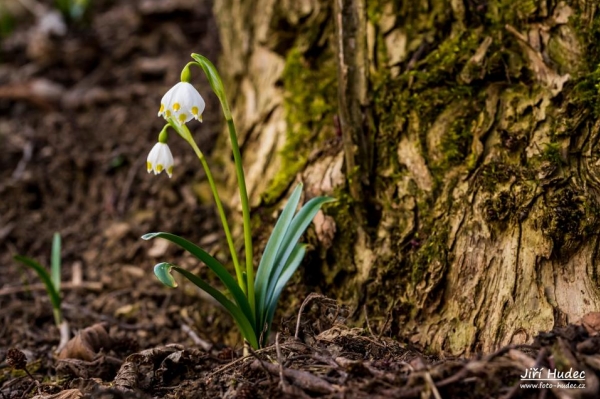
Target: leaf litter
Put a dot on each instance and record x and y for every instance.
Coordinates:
(74, 130)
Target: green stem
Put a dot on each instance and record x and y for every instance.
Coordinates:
(245, 213)
(57, 316)
(185, 133)
(217, 85)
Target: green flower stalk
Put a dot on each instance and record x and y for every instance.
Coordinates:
(253, 298)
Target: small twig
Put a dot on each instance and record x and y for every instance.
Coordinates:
(302, 379)
(368, 323)
(262, 364)
(236, 361)
(92, 286)
(280, 361)
(387, 320)
(309, 298)
(516, 388)
(432, 386)
(107, 318)
(205, 345)
(27, 153)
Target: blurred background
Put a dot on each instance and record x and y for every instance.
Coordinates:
(80, 87)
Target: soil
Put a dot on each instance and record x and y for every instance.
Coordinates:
(77, 119)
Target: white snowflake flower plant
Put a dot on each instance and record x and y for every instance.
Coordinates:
(252, 295)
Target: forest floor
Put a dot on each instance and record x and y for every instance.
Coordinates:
(77, 119)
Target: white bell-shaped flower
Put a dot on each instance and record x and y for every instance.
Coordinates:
(159, 159)
(183, 102)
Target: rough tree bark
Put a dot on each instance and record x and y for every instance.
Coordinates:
(461, 139)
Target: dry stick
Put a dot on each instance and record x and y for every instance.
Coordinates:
(387, 320)
(466, 370)
(529, 362)
(280, 361)
(92, 286)
(262, 364)
(206, 346)
(309, 298)
(302, 379)
(538, 361)
(241, 359)
(431, 385)
(368, 323)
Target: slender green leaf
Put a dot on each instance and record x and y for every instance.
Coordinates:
(55, 261)
(215, 82)
(288, 271)
(245, 324)
(44, 276)
(213, 265)
(272, 249)
(163, 272)
(293, 234)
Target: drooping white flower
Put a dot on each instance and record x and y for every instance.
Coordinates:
(183, 102)
(159, 159)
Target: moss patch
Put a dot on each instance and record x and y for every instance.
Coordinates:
(310, 84)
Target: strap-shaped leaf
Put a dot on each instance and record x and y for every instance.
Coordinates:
(55, 261)
(214, 265)
(245, 325)
(44, 276)
(288, 271)
(293, 234)
(267, 262)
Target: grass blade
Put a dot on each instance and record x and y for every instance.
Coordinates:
(293, 234)
(213, 265)
(55, 261)
(44, 276)
(288, 271)
(272, 249)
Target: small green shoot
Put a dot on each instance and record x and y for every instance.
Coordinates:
(72, 9)
(50, 279)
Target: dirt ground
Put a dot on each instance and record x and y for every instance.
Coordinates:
(77, 119)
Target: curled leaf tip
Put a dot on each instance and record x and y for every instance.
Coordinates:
(149, 236)
(163, 273)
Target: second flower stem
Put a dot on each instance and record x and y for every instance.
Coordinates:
(237, 157)
(185, 133)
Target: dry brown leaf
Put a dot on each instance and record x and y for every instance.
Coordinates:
(87, 343)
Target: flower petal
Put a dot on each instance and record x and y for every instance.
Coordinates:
(183, 102)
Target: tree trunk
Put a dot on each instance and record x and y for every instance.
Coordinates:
(460, 139)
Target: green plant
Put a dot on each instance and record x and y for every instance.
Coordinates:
(50, 279)
(72, 9)
(254, 299)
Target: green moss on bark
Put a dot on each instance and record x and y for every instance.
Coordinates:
(310, 105)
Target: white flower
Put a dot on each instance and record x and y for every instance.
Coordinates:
(182, 102)
(159, 159)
